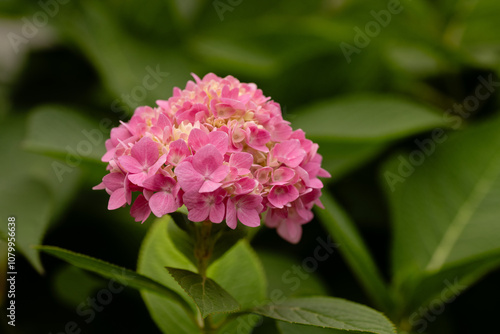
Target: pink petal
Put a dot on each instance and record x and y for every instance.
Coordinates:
(244, 186)
(282, 175)
(145, 151)
(220, 140)
(289, 152)
(178, 150)
(138, 178)
(140, 209)
(207, 160)
(290, 231)
(162, 203)
(242, 161)
(209, 186)
(113, 181)
(188, 178)
(100, 186)
(263, 174)
(117, 199)
(220, 173)
(249, 217)
(157, 165)
(258, 138)
(197, 139)
(282, 195)
(231, 220)
(217, 213)
(130, 164)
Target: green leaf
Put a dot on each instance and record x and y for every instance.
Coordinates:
(289, 328)
(366, 117)
(206, 293)
(124, 276)
(158, 251)
(276, 266)
(354, 129)
(329, 312)
(30, 190)
(61, 132)
(354, 250)
(445, 210)
(341, 157)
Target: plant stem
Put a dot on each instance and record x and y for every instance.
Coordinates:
(204, 247)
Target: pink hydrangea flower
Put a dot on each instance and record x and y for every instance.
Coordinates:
(222, 149)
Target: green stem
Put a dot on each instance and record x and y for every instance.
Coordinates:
(203, 250)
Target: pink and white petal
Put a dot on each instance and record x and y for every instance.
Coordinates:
(242, 161)
(249, 217)
(100, 186)
(220, 140)
(162, 203)
(217, 213)
(245, 186)
(220, 173)
(140, 209)
(282, 175)
(117, 199)
(209, 186)
(189, 179)
(130, 164)
(145, 151)
(198, 214)
(155, 182)
(157, 165)
(279, 196)
(231, 219)
(178, 150)
(207, 160)
(197, 139)
(291, 232)
(138, 178)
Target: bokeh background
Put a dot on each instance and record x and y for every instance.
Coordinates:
(68, 66)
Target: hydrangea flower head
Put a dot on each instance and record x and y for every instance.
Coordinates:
(222, 149)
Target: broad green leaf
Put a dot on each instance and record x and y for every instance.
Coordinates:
(134, 70)
(445, 210)
(61, 132)
(365, 117)
(354, 250)
(341, 157)
(278, 267)
(354, 129)
(328, 312)
(289, 328)
(71, 285)
(30, 202)
(108, 270)
(158, 251)
(206, 293)
(31, 190)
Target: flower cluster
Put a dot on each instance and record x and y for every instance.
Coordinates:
(221, 148)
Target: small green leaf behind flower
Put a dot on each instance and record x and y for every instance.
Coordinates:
(209, 296)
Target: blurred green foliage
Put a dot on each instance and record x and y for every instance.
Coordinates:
(70, 70)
